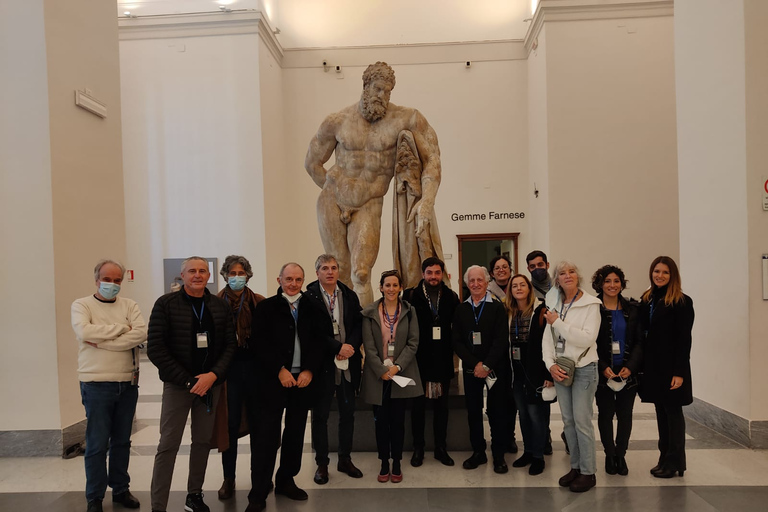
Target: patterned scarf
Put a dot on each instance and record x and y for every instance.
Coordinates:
(243, 320)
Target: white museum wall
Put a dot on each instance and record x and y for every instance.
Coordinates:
(713, 182)
(192, 154)
(335, 23)
(86, 166)
(756, 41)
(479, 115)
(611, 144)
(538, 147)
(28, 338)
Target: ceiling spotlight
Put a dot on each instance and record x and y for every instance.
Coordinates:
(127, 13)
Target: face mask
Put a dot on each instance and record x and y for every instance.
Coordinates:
(617, 385)
(548, 394)
(539, 274)
(237, 283)
(109, 290)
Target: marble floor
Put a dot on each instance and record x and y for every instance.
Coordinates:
(722, 475)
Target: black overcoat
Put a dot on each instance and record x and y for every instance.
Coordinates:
(666, 350)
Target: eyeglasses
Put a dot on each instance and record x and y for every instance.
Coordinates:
(390, 273)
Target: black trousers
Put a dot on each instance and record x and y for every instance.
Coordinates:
(610, 404)
(439, 420)
(345, 399)
(389, 418)
(496, 409)
(268, 442)
(241, 390)
(671, 424)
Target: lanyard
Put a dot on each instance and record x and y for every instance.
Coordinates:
(564, 312)
(478, 315)
(390, 322)
(429, 301)
(331, 300)
(200, 316)
(517, 327)
(652, 303)
(242, 298)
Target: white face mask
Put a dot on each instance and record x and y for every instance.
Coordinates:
(617, 385)
(548, 394)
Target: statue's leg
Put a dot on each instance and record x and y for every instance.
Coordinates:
(333, 233)
(364, 235)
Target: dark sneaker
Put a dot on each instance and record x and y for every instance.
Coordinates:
(95, 506)
(195, 503)
(126, 499)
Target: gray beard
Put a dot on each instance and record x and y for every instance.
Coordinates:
(370, 111)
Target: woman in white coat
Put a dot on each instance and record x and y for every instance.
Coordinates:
(574, 322)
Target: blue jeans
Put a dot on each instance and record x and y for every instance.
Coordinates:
(534, 420)
(576, 406)
(109, 408)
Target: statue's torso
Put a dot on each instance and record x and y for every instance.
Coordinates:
(365, 155)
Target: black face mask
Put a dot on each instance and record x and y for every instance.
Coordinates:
(539, 274)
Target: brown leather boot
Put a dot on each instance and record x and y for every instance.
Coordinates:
(227, 489)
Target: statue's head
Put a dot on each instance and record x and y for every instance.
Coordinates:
(378, 82)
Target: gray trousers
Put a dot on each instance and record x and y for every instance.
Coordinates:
(177, 403)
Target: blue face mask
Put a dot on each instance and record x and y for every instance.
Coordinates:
(109, 290)
(237, 283)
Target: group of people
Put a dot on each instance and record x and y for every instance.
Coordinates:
(238, 362)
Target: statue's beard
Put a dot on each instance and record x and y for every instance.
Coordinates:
(372, 108)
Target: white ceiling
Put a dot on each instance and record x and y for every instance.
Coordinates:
(335, 23)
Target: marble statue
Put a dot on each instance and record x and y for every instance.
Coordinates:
(374, 141)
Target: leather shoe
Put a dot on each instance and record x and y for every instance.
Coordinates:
(523, 461)
(610, 464)
(291, 491)
(537, 467)
(442, 455)
(417, 459)
(95, 506)
(383, 478)
(668, 473)
(475, 460)
(583, 483)
(227, 489)
(126, 499)
(621, 466)
(568, 478)
(346, 466)
(256, 506)
(396, 478)
(321, 475)
(500, 465)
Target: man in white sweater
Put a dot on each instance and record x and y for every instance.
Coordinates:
(108, 330)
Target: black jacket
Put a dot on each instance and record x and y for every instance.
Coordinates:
(435, 358)
(666, 350)
(633, 348)
(531, 370)
(274, 344)
(171, 338)
(494, 348)
(353, 328)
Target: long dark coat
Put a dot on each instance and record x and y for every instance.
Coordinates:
(666, 350)
(353, 328)
(274, 341)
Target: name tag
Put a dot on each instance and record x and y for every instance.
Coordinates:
(335, 328)
(436, 332)
(615, 347)
(391, 350)
(516, 353)
(476, 338)
(202, 340)
(560, 346)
